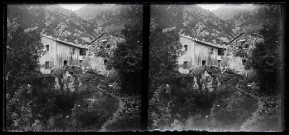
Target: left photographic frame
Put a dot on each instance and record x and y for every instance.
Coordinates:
(73, 67)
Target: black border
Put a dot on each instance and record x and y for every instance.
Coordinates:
(146, 5)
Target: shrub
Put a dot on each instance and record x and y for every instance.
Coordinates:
(91, 115)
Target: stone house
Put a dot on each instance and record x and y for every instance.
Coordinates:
(198, 53)
(105, 43)
(59, 53)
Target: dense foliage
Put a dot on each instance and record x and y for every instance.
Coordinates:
(266, 59)
(127, 59)
(177, 98)
(23, 52)
(164, 51)
(21, 64)
(32, 100)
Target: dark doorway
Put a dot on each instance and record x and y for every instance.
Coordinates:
(65, 62)
(203, 62)
(80, 62)
(219, 63)
(105, 61)
(244, 61)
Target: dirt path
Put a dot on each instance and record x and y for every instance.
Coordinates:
(115, 115)
(255, 114)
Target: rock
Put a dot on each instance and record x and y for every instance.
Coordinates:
(36, 125)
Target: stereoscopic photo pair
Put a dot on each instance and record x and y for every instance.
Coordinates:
(96, 68)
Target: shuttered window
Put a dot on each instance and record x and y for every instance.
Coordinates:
(185, 66)
(46, 64)
(47, 48)
(186, 47)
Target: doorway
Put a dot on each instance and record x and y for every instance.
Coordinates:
(65, 62)
(203, 62)
(219, 63)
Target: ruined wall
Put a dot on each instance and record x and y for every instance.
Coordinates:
(236, 64)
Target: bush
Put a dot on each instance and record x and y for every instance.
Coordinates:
(266, 59)
(185, 100)
(90, 115)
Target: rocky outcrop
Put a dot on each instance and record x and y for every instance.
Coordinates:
(206, 78)
(67, 77)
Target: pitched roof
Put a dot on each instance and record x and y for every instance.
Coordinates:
(235, 38)
(66, 43)
(96, 38)
(102, 34)
(203, 42)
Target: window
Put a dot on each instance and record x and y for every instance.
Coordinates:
(203, 62)
(80, 62)
(82, 52)
(211, 51)
(186, 47)
(46, 64)
(73, 51)
(185, 66)
(244, 61)
(219, 63)
(221, 52)
(65, 62)
(47, 47)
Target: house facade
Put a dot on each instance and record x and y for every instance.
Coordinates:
(59, 53)
(198, 53)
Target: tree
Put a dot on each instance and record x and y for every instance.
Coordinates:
(266, 59)
(165, 48)
(23, 51)
(127, 58)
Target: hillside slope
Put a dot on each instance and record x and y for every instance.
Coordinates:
(51, 20)
(249, 17)
(193, 21)
(111, 17)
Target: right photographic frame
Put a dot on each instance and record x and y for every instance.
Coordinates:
(216, 67)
